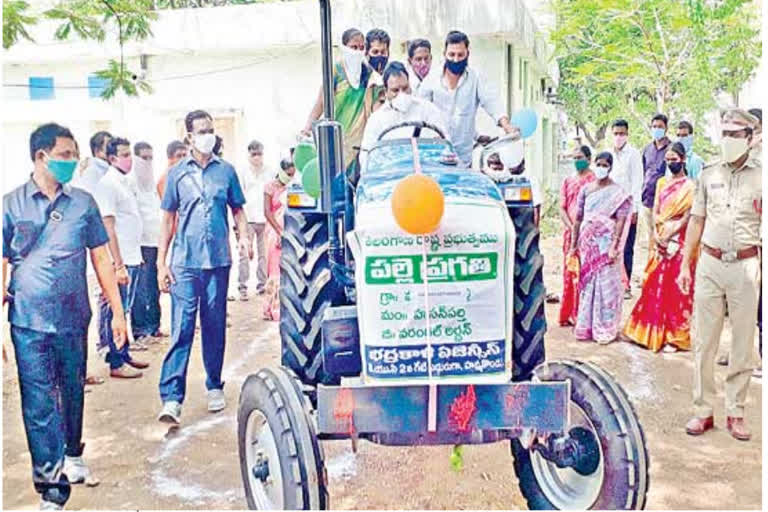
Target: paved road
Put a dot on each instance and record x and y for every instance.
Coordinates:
(140, 467)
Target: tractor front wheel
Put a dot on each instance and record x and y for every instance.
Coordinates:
(611, 469)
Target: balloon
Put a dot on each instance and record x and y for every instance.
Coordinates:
(526, 120)
(511, 153)
(310, 178)
(305, 151)
(418, 204)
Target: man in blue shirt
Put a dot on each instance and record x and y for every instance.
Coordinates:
(48, 226)
(199, 190)
(693, 162)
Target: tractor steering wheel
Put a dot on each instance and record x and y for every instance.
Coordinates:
(417, 127)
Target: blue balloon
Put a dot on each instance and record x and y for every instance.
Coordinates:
(526, 120)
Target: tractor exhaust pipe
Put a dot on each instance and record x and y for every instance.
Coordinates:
(327, 58)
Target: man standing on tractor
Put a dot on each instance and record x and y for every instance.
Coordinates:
(400, 106)
(200, 188)
(458, 91)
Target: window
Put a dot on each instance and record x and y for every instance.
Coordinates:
(41, 88)
(96, 86)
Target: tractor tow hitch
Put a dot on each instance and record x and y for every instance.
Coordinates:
(577, 450)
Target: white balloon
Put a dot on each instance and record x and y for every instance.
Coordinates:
(511, 153)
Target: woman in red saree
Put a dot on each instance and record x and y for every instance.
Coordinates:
(662, 316)
(569, 194)
(598, 238)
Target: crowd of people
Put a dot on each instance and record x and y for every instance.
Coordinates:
(115, 221)
(702, 224)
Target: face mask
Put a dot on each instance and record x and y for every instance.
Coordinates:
(457, 67)
(62, 170)
(619, 141)
(123, 164)
(602, 172)
(687, 142)
(353, 64)
(733, 148)
(204, 142)
(378, 62)
(144, 175)
(421, 69)
(498, 176)
(675, 167)
(580, 165)
(657, 133)
(284, 177)
(402, 102)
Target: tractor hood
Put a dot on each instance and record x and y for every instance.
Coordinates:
(435, 307)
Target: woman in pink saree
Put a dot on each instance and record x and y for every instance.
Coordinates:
(602, 211)
(274, 209)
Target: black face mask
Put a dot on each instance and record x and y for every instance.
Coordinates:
(378, 62)
(675, 167)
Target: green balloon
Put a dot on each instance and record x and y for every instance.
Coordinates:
(310, 178)
(305, 151)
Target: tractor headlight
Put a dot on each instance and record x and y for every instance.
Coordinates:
(518, 194)
(301, 200)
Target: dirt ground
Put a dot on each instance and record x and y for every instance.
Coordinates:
(141, 468)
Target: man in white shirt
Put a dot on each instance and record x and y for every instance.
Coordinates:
(458, 91)
(120, 212)
(145, 314)
(628, 173)
(252, 181)
(419, 62)
(400, 106)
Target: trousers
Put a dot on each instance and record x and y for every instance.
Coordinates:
(51, 369)
(117, 357)
(255, 229)
(717, 284)
(204, 290)
(145, 313)
(629, 251)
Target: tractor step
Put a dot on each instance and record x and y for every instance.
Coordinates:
(462, 411)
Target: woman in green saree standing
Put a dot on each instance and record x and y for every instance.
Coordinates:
(356, 90)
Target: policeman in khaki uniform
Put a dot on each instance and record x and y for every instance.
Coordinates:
(725, 220)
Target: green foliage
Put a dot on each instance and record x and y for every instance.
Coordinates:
(191, 4)
(90, 20)
(632, 58)
(15, 22)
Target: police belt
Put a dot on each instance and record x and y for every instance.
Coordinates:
(731, 256)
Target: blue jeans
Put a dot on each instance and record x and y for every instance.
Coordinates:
(117, 357)
(51, 370)
(206, 289)
(145, 313)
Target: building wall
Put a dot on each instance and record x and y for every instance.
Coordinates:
(264, 94)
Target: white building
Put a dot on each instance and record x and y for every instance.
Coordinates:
(256, 69)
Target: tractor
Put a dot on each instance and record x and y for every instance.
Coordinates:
(401, 339)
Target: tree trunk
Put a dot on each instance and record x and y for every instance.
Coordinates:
(599, 134)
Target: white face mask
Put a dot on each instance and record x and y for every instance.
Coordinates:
(204, 142)
(498, 175)
(402, 102)
(733, 148)
(353, 64)
(601, 172)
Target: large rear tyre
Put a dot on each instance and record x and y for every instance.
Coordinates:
(281, 460)
(529, 322)
(599, 406)
(306, 290)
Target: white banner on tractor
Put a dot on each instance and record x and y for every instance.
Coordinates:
(465, 319)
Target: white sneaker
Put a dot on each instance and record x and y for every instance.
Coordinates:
(171, 413)
(78, 472)
(670, 349)
(49, 505)
(216, 400)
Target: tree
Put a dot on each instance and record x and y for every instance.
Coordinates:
(632, 58)
(90, 20)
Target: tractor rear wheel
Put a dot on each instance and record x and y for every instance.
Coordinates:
(306, 290)
(529, 321)
(601, 414)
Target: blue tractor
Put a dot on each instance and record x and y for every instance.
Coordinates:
(399, 339)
